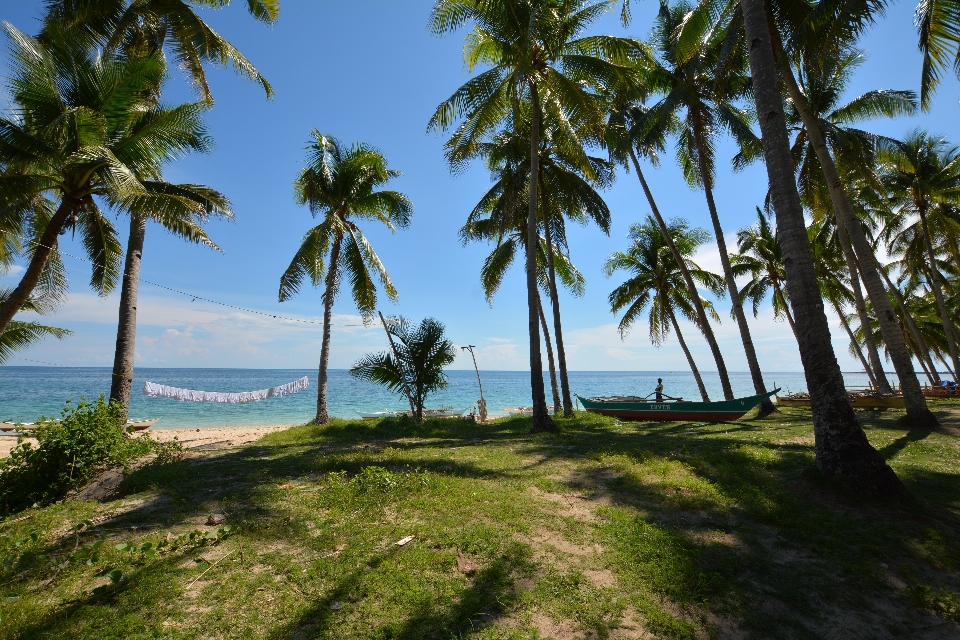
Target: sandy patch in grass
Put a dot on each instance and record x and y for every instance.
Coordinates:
(210, 437)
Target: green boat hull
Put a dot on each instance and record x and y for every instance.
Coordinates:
(626, 408)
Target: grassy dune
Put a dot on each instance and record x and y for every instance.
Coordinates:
(607, 529)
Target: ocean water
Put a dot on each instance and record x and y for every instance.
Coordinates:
(27, 393)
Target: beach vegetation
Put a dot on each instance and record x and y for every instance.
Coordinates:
(87, 439)
(453, 528)
(342, 185)
(414, 365)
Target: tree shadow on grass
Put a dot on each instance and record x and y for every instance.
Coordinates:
(901, 443)
(489, 594)
(776, 544)
(764, 518)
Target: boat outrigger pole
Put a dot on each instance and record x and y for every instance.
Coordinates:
(403, 373)
(482, 406)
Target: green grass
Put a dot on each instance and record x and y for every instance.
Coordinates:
(604, 530)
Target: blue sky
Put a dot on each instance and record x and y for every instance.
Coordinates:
(369, 70)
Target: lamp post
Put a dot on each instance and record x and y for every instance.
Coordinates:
(483, 403)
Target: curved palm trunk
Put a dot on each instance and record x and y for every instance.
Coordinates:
(914, 330)
(541, 419)
(558, 331)
(690, 361)
(702, 319)
(777, 291)
(878, 376)
(31, 277)
(841, 446)
(856, 345)
(553, 369)
(949, 328)
(766, 407)
(323, 417)
(127, 325)
(923, 365)
(952, 373)
(918, 415)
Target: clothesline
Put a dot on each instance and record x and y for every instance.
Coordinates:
(223, 304)
(155, 390)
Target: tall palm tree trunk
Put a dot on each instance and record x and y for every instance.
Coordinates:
(949, 328)
(330, 282)
(702, 319)
(912, 325)
(777, 291)
(123, 355)
(553, 369)
(31, 277)
(918, 415)
(876, 364)
(541, 419)
(923, 365)
(841, 446)
(766, 407)
(855, 344)
(690, 361)
(558, 330)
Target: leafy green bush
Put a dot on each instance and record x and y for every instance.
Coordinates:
(87, 439)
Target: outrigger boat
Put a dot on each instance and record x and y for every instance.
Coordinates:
(141, 425)
(858, 400)
(439, 412)
(135, 424)
(637, 408)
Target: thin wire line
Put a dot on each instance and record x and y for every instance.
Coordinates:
(223, 304)
(52, 364)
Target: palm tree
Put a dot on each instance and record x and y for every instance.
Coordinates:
(921, 172)
(830, 262)
(808, 41)
(760, 258)
(823, 82)
(537, 56)
(84, 130)
(703, 84)
(657, 283)
(148, 28)
(20, 334)
(624, 140)
(340, 184)
(423, 352)
(568, 183)
(488, 222)
(186, 208)
(842, 448)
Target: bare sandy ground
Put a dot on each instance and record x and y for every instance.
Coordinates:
(190, 438)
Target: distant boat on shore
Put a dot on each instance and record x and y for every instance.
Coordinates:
(439, 412)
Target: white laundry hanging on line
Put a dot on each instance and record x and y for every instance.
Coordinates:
(155, 390)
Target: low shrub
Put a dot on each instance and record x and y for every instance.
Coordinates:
(87, 439)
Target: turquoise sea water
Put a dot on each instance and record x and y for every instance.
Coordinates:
(26, 393)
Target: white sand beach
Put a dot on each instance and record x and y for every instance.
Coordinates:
(190, 438)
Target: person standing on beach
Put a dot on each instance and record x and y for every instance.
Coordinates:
(659, 390)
